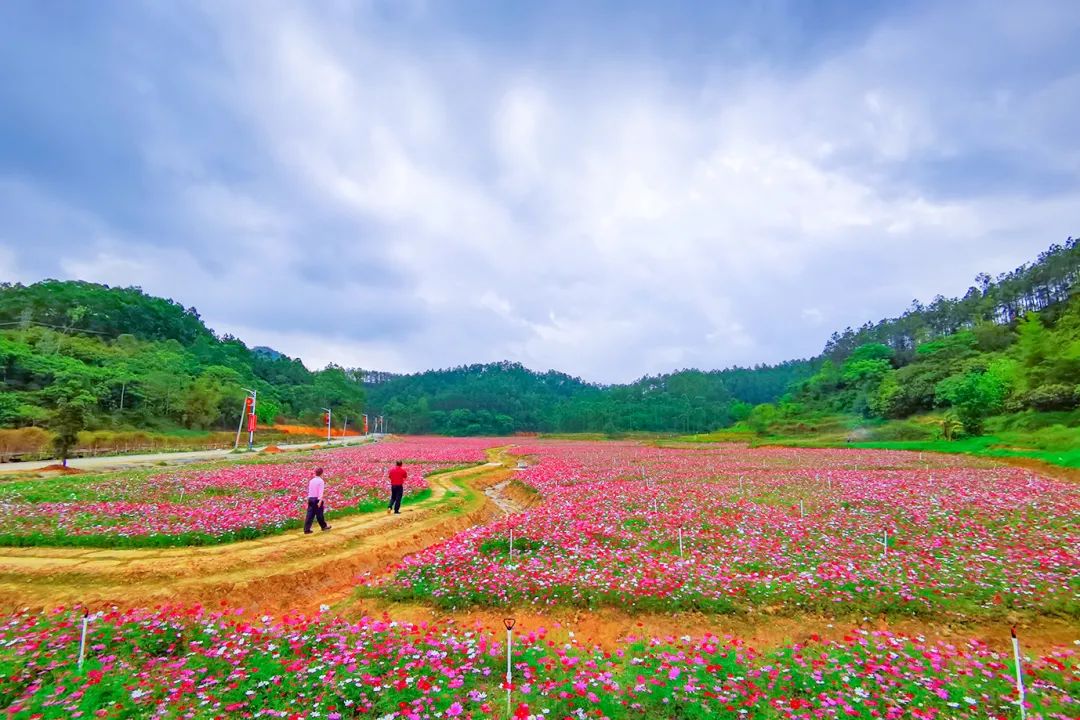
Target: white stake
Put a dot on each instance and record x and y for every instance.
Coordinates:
(885, 546)
(511, 543)
(680, 543)
(82, 640)
(509, 623)
(802, 510)
(1019, 675)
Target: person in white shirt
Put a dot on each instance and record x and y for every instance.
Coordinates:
(315, 503)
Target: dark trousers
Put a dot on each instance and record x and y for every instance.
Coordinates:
(396, 491)
(314, 512)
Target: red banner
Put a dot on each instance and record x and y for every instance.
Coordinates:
(251, 422)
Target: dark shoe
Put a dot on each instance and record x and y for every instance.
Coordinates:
(397, 512)
(328, 527)
(307, 532)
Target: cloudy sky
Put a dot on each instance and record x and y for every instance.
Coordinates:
(605, 188)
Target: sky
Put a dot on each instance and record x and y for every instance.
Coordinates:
(610, 189)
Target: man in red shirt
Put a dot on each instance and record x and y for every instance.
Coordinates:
(397, 488)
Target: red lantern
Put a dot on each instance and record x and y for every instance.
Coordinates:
(326, 418)
(251, 422)
(248, 402)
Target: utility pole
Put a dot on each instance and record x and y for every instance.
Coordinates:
(329, 414)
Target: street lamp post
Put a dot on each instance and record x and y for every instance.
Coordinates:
(328, 416)
(251, 419)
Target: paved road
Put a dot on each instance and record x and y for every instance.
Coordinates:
(113, 462)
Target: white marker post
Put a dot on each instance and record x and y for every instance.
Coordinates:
(885, 545)
(82, 639)
(511, 544)
(1019, 675)
(802, 510)
(680, 543)
(509, 623)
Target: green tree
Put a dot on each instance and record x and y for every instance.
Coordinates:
(762, 417)
(202, 403)
(974, 397)
(69, 420)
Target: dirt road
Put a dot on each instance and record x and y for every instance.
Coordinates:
(291, 572)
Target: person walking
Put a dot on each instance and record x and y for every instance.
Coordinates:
(316, 505)
(397, 488)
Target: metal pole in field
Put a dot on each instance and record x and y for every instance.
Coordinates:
(885, 546)
(1019, 674)
(680, 543)
(82, 638)
(328, 416)
(240, 427)
(509, 623)
(511, 544)
(802, 510)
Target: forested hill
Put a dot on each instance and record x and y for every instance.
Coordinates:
(506, 397)
(122, 359)
(118, 358)
(127, 360)
(1004, 357)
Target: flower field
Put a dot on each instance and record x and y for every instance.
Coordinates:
(219, 503)
(192, 664)
(721, 529)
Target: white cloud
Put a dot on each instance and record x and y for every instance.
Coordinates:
(452, 202)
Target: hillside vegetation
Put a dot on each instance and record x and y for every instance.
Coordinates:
(77, 356)
(1002, 363)
(1003, 358)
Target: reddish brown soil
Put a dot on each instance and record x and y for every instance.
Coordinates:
(61, 469)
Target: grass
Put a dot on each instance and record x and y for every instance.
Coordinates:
(1054, 444)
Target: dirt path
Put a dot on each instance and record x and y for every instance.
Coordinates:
(279, 573)
(611, 627)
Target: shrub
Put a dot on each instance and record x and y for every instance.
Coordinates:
(1056, 396)
(905, 430)
(23, 441)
